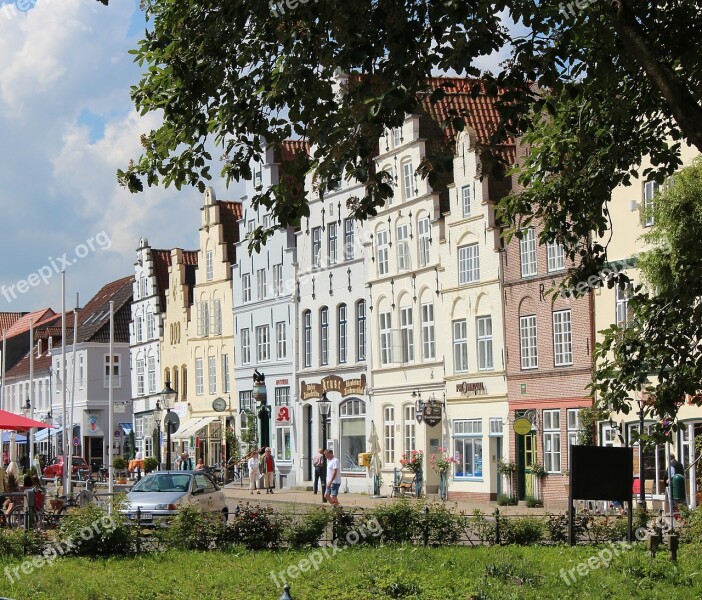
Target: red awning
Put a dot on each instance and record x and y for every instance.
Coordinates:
(15, 422)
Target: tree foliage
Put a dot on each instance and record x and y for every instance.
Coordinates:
(659, 352)
(622, 80)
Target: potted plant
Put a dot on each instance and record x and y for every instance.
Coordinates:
(412, 461)
(150, 464)
(441, 464)
(120, 467)
(508, 469)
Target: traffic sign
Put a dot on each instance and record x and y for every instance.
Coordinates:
(172, 421)
(76, 441)
(118, 433)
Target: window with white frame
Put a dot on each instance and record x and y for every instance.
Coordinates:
(261, 283)
(527, 252)
(316, 246)
(142, 287)
(116, 379)
(245, 346)
(428, 334)
(246, 401)
(623, 295)
(349, 239)
(556, 257)
(246, 287)
(423, 240)
(527, 342)
(403, 254)
(485, 356)
(307, 338)
(139, 428)
(382, 250)
(324, 336)
(281, 340)
(139, 326)
(225, 374)
(212, 373)
(152, 374)
(342, 333)
(552, 440)
(573, 425)
(392, 181)
(460, 346)
(496, 426)
(209, 265)
(468, 264)
(266, 221)
(465, 200)
(407, 334)
(650, 190)
(389, 435)
(408, 180)
(331, 243)
(396, 136)
(140, 366)
(203, 318)
(81, 370)
(562, 338)
(199, 377)
(263, 343)
(385, 319)
(283, 443)
(278, 280)
(150, 326)
(609, 435)
(216, 312)
(409, 417)
(361, 330)
(352, 434)
(468, 448)
(282, 396)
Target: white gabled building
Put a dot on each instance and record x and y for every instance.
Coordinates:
(264, 321)
(331, 298)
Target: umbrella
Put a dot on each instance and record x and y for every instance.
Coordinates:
(376, 458)
(14, 422)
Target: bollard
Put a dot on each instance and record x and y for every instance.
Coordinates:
(672, 542)
(286, 593)
(497, 526)
(652, 542)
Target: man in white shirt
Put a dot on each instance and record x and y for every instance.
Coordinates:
(333, 478)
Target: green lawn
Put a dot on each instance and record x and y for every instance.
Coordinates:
(365, 573)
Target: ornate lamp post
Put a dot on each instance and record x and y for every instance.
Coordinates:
(158, 416)
(49, 420)
(260, 395)
(167, 396)
(324, 405)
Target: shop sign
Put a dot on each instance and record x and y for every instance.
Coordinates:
(333, 383)
(522, 426)
(471, 389)
(283, 415)
(432, 414)
(281, 382)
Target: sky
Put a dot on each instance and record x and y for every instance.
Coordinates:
(67, 124)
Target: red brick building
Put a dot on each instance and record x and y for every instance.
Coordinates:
(549, 343)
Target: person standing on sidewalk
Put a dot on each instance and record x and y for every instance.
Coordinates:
(254, 473)
(319, 474)
(333, 478)
(267, 466)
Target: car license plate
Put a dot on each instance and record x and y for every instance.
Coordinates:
(144, 516)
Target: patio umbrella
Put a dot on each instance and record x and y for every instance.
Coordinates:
(15, 422)
(12, 468)
(376, 458)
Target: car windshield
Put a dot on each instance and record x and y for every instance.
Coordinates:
(163, 482)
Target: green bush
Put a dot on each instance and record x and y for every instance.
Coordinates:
(192, 529)
(502, 500)
(343, 523)
(119, 464)
(444, 526)
(532, 502)
(150, 464)
(484, 530)
(91, 531)
(255, 527)
(400, 522)
(523, 531)
(307, 531)
(691, 533)
(18, 542)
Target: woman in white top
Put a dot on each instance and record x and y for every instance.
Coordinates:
(253, 471)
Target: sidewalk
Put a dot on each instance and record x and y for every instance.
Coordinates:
(235, 492)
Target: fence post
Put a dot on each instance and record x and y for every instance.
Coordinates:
(426, 525)
(286, 593)
(497, 526)
(138, 533)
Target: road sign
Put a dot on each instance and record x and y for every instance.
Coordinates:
(76, 441)
(172, 421)
(118, 433)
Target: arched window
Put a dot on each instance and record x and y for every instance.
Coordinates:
(342, 333)
(307, 338)
(324, 336)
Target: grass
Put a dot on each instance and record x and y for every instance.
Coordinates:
(364, 573)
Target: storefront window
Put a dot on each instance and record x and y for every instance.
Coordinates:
(468, 448)
(352, 434)
(283, 443)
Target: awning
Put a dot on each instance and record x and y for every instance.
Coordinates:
(191, 427)
(126, 427)
(20, 439)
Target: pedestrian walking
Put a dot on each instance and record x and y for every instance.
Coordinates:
(319, 474)
(267, 466)
(185, 463)
(254, 473)
(333, 478)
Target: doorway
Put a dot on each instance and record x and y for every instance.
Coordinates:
(526, 458)
(309, 443)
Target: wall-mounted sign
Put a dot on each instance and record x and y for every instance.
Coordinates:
(471, 389)
(522, 389)
(432, 414)
(333, 383)
(281, 382)
(283, 415)
(521, 426)
(92, 423)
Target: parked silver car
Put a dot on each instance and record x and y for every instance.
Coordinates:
(162, 494)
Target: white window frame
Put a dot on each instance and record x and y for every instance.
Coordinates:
(209, 265)
(361, 330)
(408, 180)
(324, 335)
(527, 252)
(342, 333)
(424, 241)
(459, 328)
(556, 257)
(245, 346)
(116, 372)
(622, 297)
(331, 243)
(396, 136)
(428, 332)
(349, 232)
(307, 338)
(465, 200)
(468, 263)
(528, 342)
(199, 377)
(404, 262)
(385, 329)
(140, 371)
(407, 334)
(573, 427)
(650, 191)
(468, 432)
(263, 343)
(409, 428)
(281, 341)
(483, 328)
(261, 284)
(150, 326)
(212, 373)
(316, 247)
(562, 338)
(382, 251)
(278, 280)
(389, 435)
(151, 370)
(226, 381)
(246, 287)
(552, 440)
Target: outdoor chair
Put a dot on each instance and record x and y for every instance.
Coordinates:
(404, 484)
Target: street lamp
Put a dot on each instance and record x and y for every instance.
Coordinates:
(158, 415)
(260, 395)
(167, 395)
(48, 419)
(324, 405)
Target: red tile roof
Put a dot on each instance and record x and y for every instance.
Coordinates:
(22, 325)
(190, 257)
(93, 318)
(229, 214)
(162, 261)
(8, 319)
(289, 148)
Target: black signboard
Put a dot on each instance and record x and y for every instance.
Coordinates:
(432, 414)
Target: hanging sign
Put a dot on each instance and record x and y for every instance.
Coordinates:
(432, 414)
(522, 426)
